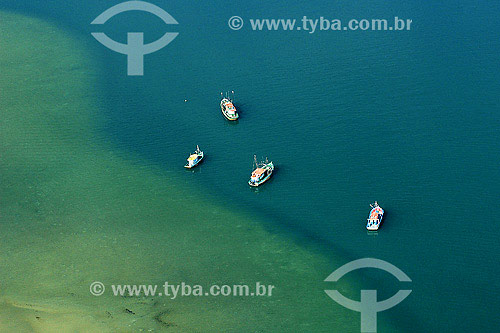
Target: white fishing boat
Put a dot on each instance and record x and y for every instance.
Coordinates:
(228, 109)
(375, 217)
(261, 173)
(194, 159)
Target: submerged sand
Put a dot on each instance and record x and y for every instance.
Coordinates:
(74, 209)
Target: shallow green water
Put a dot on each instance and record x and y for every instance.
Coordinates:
(408, 119)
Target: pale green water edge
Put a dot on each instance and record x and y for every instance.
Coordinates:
(74, 211)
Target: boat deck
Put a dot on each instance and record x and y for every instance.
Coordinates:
(375, 213)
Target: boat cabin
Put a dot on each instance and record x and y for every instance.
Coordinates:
(258, 173)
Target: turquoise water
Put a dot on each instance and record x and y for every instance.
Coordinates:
(406, 118)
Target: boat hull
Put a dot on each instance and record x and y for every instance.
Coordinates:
(265, 179)
(228, 117)
(187, 166)
(375, 219)
(374, 228)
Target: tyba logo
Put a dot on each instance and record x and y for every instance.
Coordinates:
(368, 306)
(135, 49)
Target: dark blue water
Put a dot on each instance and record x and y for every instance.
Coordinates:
(408, 118)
